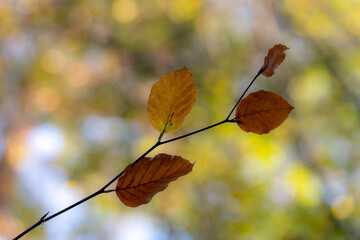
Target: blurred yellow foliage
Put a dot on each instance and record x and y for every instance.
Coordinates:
(125, 11)
(303, 184)
(342, 206)
(183, 10)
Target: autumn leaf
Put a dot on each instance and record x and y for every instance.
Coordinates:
(275, 57)
(142, 179)
(262, 111)
(171, 99)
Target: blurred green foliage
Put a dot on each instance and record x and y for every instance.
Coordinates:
(75, 78)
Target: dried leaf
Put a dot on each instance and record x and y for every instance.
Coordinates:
(143, 179)
(262, 111)
(171, 99)
(275, 57)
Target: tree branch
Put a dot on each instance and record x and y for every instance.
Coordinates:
(158, 143)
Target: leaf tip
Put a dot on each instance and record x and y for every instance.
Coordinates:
(185, 70)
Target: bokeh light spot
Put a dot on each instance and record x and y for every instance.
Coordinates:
(184, 10)
(78, 74)
(45, 141)
(125, 11)
(47, 99)
(342, 206)
(306, 188)
(138, 226)
(53, 61)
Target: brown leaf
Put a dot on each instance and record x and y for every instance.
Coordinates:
(262, 111)
(143, 179)
(275, 57)
(171, 99)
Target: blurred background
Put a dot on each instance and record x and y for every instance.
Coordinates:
(75, 79)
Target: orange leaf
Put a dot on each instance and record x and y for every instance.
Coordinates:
(275, 57)
(171, 99)
(141, 180)
(262, 111)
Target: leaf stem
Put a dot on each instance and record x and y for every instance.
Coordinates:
(158, 143)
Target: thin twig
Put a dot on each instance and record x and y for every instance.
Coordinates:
(58, 213)
(158, 143)
(242, 95)
(194, 132)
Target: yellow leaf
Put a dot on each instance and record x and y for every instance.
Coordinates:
(142, 179)
(262, 111)
(171, 99)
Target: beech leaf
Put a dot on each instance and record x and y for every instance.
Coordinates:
(262, 111)
(275, 57)
(141, 180)
(171, 99)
